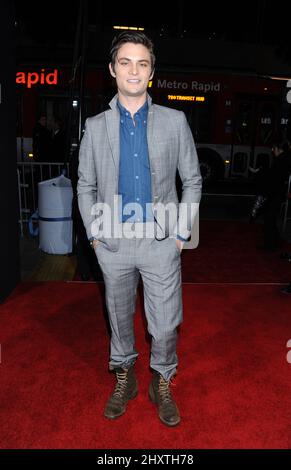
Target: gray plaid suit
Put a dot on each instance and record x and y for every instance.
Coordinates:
(156, 259)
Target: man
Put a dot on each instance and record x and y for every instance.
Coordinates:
(274, 190)
(133, 150)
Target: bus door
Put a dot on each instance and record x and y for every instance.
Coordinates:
(256, 119)
(267, 122)
(243, 137)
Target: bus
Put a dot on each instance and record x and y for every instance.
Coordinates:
(233, 117)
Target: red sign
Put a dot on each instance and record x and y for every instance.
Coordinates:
(37, 78)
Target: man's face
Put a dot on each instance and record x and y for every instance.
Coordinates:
(132, 69)
(276, 151)
(43, 121)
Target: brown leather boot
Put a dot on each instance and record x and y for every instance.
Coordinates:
(125, 390)
(160, 394)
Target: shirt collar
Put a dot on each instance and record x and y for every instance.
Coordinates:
(125, 113)
(113, 102)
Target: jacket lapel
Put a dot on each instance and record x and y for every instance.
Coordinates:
(150, 131)
(112, 119)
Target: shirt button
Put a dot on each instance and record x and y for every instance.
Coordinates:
(137, 177)
(138, 220)
(131, 133)
(126, 114)
(144, 122)
(137, 198)
(121, 121)
(135, 154)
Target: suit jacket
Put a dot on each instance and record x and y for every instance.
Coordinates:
(171, 147)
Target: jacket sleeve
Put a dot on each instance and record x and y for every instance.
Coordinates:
(87, 180)
(189, 171)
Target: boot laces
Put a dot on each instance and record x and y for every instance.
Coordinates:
(121, 384)
(164, 390)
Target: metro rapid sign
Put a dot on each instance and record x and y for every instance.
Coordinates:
(30, 79)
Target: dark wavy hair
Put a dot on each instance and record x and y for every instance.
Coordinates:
(136, 37)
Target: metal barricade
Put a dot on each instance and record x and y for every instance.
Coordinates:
(29, 174)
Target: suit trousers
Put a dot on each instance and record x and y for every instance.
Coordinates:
(158, 262)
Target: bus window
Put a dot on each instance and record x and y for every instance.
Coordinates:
(284, 118)
(199, 116)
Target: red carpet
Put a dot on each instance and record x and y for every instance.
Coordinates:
(233, 385)
(228, 252)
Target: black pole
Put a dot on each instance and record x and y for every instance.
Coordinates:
(9, 233)
(77, 80)
(74, 80)
(82, 68)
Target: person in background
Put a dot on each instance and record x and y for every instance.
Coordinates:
(287, 289)
(274, 190)
(42, 140)
(259, 176)
(58, 149)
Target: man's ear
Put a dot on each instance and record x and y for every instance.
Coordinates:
(152, 74)
(111, 70)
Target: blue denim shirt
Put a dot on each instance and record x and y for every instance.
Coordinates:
(134, 183)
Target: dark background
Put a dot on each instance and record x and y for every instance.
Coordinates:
(256, 22)
(251, 37)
